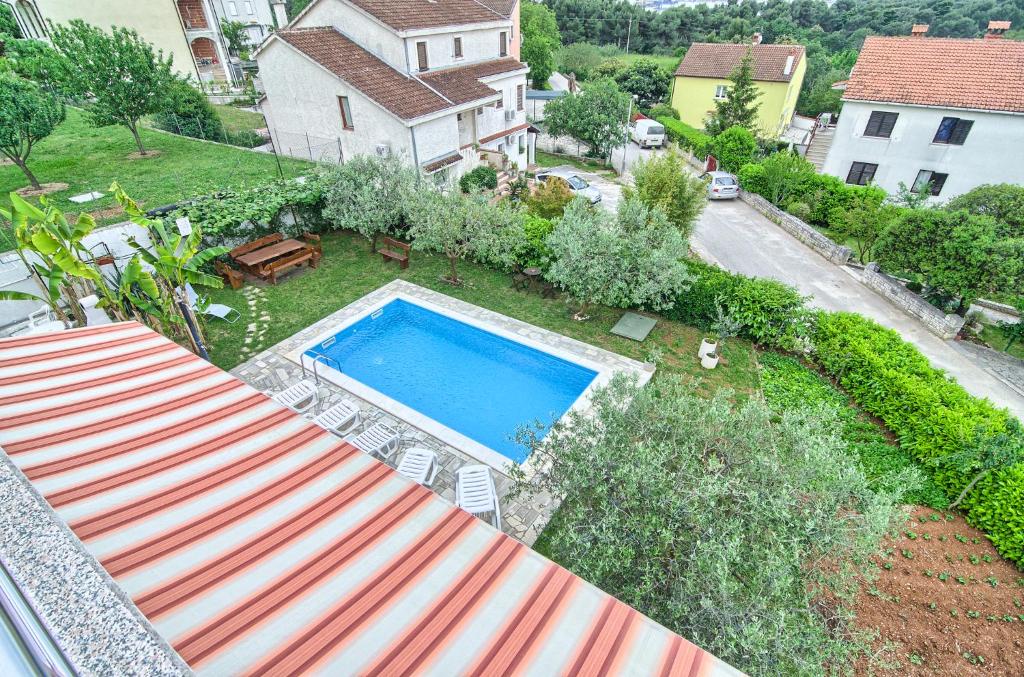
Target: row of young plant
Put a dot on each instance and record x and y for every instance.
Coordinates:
(971, 449)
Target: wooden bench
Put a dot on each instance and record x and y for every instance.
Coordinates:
(393, 250)
(231, 276)
(312, 240)
(274, 268)
(265, 241)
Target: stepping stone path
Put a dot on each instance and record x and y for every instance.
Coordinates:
(255, 331)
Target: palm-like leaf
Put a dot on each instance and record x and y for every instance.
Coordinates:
(11, 295)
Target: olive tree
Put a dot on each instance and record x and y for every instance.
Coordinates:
(739, 528)
(118, 73)
(631, 261)
(369, 194)
(663, 181)
(27, 115)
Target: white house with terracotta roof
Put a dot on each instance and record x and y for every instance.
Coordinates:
(941, 111)
(435, 81)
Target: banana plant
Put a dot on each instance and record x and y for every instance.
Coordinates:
(62, 264)
(175, 261)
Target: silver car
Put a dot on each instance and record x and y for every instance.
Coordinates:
(721, 185)
(577, 186)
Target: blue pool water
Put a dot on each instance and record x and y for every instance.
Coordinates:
(475, 382)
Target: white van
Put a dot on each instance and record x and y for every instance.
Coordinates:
(647, 133)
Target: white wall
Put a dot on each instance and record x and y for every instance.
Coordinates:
(309, 105)
(477, 45)
(991, 154)
(364, 31)
(436, 138)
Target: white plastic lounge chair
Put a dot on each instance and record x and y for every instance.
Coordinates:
(93, 316)
(341, 419)
(226, 313)
(41, 321)
(419, 465)
(378, 439)
(301, 397)
(475, 492)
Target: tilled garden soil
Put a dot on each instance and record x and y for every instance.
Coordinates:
(945, 601)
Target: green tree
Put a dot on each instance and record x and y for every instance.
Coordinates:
(646, 80)
(33, 60)
(188, 112)
(8, 26)
(27, 115)
(956, 253)
(596, 116)
(580, 59)
(663, 182)
(777, 177)
(863, 222)
(370, 195)
(237, 35)
(1004, 202)
(740, 105)
(550, 199)
(541, 41)
(734, 148)
(678, 504)
(631, 261)
(118, 72)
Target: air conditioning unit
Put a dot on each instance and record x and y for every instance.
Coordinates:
(510, 115)
(383, 150)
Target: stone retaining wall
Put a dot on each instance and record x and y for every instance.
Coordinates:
(937, 322)
(807, 234)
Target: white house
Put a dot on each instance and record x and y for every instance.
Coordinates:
(436, 81)
(940, 111)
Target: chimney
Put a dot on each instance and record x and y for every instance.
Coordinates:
(756, 39)
(919, 30)
(996, 29)
(280, 13)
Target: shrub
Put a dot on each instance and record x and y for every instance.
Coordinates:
(996, 506)
(480, 178)
(664, 182)
(664, 110)
(1004, 202)
(690, 138)
(800, 210)
(189, 113)
(246, 138)
(734, 148)
(550, 199)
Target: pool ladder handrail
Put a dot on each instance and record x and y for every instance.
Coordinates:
(317, 359)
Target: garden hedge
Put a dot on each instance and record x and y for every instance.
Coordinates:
(686, 136)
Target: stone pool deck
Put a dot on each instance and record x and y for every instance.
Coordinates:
(271, 371)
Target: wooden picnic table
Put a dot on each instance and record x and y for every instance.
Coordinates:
(252, 262)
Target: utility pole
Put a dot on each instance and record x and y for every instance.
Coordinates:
(625, 136)
(629, 29)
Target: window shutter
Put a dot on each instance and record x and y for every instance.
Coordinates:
(873, 123)
(421, 55)
(888, 122)
(881, 124)
(519, 97)
(503, 43)
(960, 132)
(855, 171)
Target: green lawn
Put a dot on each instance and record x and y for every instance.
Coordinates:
(88, 158)
(238, 120)
(550, 160)
(669, 63)
(992, 336)
(348, 271)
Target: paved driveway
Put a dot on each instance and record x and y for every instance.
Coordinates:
(738, 238)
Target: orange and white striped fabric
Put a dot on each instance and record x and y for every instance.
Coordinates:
(257, 543)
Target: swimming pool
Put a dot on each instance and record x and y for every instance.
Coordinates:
(479, 384)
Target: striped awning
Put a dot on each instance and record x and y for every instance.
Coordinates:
(256, 543)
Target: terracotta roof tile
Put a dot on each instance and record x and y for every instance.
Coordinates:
(506, 132)
(406, 15)
(400, 94)
(442, 162)
(719, 60)
(462, 84)
(502, 7)
(948, 72)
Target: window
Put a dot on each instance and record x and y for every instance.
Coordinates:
(480, 110)
(880, 124)
(248, 7)
(233, 8)
(925, 177)
(861, 173)
(346, 113)
(457, 48)
(421, 55)
(503, 44)
(501, 102)
(519, 97)
(953, 131)
(522, 143)
(721, 92)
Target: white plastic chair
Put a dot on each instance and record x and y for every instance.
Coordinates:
(378, 440)
(226, 313)
(41, 321)
(475, 492)
(419, 465)
(301, 397)
(341, 419)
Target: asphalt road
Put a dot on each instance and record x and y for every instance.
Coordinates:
(736, 237)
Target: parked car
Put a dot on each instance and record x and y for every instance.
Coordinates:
(647, 133)
(721, 185)
(576, 184)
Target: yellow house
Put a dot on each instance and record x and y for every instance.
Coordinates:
(703, 77)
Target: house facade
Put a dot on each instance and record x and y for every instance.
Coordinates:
(189, 31)
(941, 114)
(434, 81)
(703, 78)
